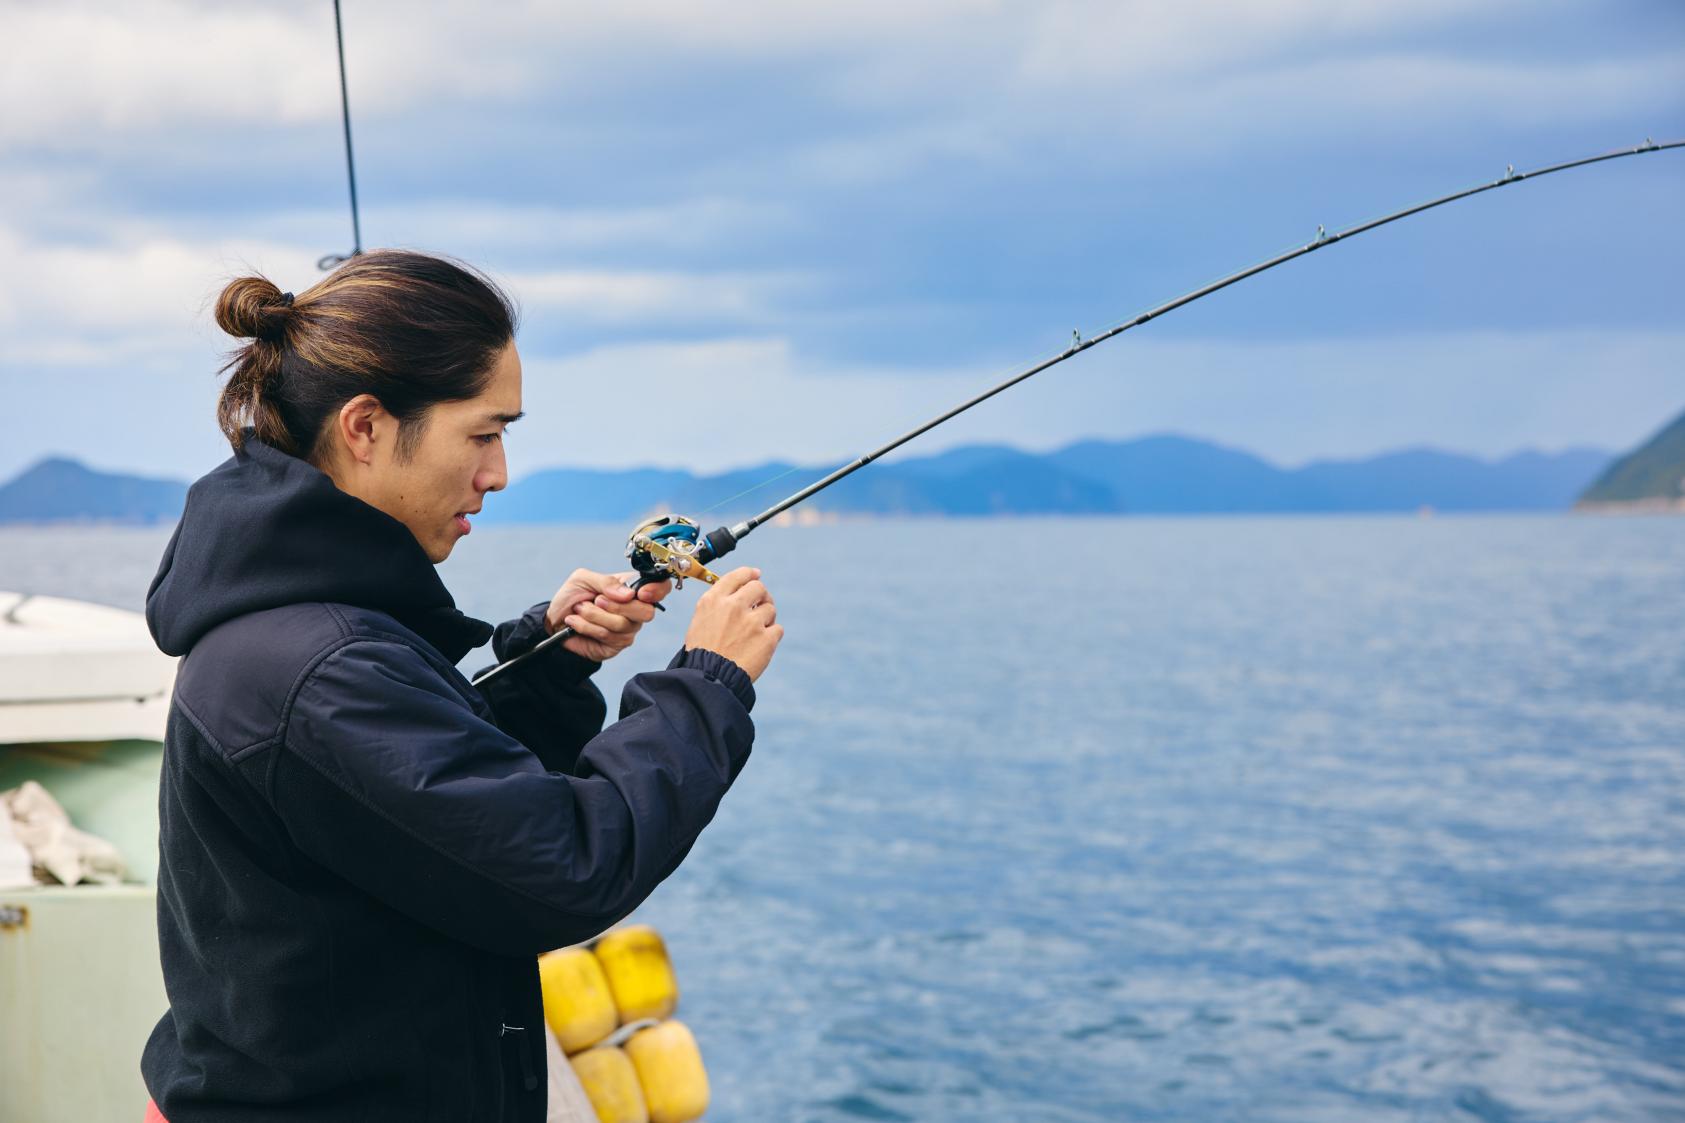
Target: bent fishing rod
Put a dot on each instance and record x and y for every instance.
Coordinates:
(672, 547)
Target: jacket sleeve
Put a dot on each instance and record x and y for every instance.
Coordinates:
(548, 703)
(387, 777)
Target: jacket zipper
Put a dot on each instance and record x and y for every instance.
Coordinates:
(529, 1078)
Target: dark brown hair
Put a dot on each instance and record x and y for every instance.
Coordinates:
(412, 329)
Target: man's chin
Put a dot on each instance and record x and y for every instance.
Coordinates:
(439, 549)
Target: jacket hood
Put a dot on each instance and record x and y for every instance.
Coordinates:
(265, 529)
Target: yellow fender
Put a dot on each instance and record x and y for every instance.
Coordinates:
(577, 1001)
(669, 1068)
(639, 973)
(611, 1084)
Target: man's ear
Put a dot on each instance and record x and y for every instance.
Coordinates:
(359, 428)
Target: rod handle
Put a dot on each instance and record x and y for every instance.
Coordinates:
(716, 544)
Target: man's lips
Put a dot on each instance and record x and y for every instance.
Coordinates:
(462, 524)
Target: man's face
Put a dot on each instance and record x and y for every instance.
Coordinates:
(456, 460)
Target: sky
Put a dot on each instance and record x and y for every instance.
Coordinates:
(750, 229)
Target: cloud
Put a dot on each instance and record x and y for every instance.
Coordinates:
(737, 401)
(93, 68)
(517, 230)
(1428, 88)
(1485, 392)
(138, 292)
(668, 298)
(724, 401)
(141, 291)
(146, 64)
(1097, 46)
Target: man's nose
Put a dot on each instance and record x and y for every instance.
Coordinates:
(493, 476)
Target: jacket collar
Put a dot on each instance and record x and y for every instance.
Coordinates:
(266, 529)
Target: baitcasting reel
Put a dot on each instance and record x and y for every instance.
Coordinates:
(666, 547)
(673, 547)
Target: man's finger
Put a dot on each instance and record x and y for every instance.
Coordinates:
(736, 579)
(602, 618)
(753, 592)
(653, 593)
(584, 627)
(636, 611)
(598, 650)
(611, 618)
(611, 585)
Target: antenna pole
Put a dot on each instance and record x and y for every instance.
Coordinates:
(332, 260)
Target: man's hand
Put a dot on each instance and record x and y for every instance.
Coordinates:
(737, 619)
(604, 612)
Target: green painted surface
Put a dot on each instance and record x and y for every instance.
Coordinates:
(109, 789)
(80, 985)
(80, 990)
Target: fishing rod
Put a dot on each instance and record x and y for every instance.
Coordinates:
(673, 547)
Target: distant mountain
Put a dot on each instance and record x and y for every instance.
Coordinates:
(1650, 476)
(996, 480)
(59, 490)
(1152, 475)
(1403, 481)
(586, 494)
(986, 480)
(1179, 475)
(1176, 475)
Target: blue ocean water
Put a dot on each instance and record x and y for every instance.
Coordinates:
(1202, 819)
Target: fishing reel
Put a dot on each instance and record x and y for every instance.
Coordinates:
(662, 548)
(672, 547)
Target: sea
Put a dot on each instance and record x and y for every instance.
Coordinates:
(1287, 818)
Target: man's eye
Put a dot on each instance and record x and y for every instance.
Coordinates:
(488, 438)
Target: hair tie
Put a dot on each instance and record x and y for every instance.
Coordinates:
(287, 299)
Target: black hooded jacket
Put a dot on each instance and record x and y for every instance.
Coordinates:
(362, 855)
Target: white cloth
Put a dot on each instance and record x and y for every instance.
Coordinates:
(16, 866)
(57, 849)
(568, 1101)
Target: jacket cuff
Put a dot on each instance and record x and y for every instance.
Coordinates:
(522, 634)
(716, 668)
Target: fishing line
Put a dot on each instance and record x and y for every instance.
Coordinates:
(673, 547)
(748, 490)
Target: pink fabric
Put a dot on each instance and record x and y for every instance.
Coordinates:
(153, 1115)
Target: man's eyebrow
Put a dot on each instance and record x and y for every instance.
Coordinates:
(505, 418)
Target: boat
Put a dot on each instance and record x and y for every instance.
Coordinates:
(84, 694)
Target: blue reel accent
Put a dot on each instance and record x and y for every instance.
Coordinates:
(675, 530)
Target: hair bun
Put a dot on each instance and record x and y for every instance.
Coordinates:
(253, 308)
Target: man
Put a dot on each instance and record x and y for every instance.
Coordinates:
(361, 854)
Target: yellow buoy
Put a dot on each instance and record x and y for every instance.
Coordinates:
(611, 1084)
(670, 1071)
(639, 973)
(577, 1001)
